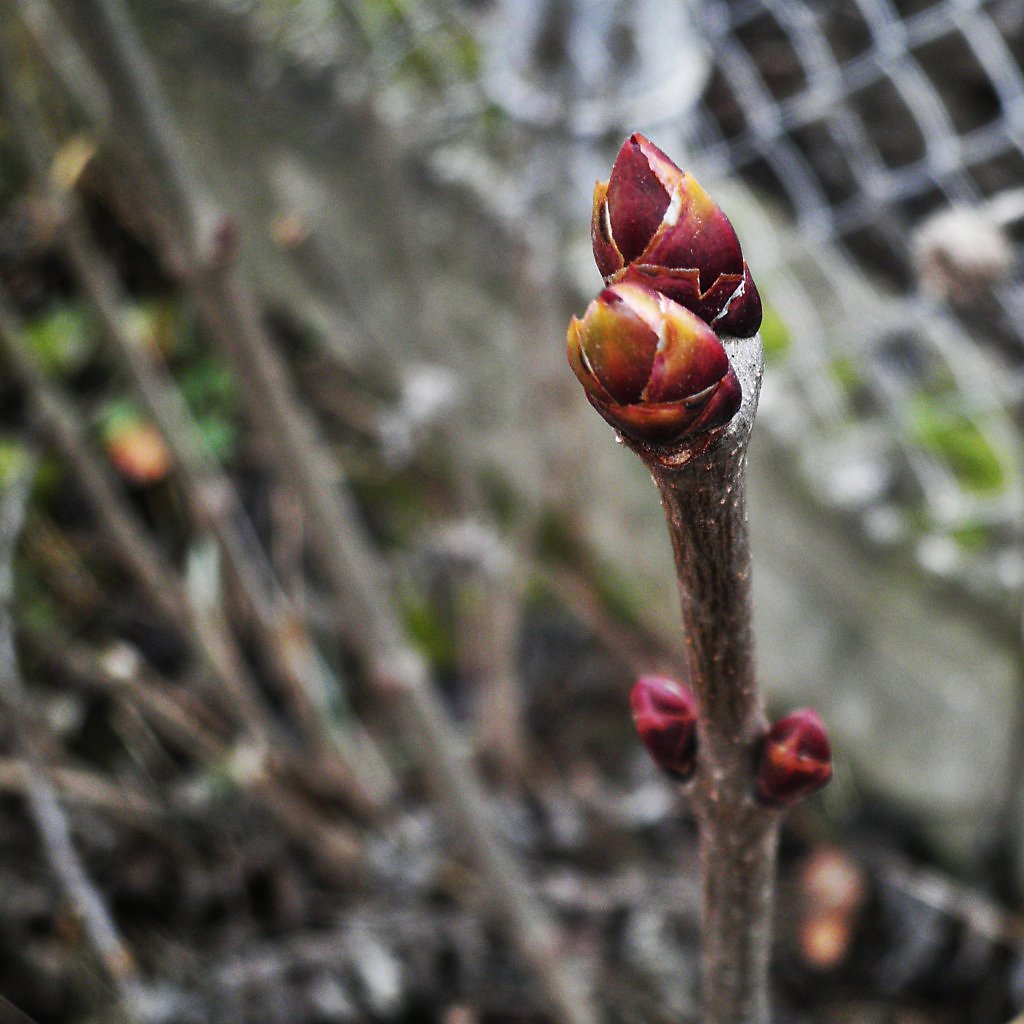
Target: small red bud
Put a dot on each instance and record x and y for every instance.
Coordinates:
(795, 760)
(665, 716)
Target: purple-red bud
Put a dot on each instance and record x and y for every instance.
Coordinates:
(652, 368)
(665, 716)
(795, 759)
(653, 224)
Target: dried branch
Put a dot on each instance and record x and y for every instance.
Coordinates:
(335, 846)
(162, 586)
(74, 785)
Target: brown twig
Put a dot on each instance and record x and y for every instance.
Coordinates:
(161, 584)
(336, 847)
(77, 786)
(704, 499)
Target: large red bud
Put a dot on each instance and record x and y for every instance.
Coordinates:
(652, 368)
(655, 222)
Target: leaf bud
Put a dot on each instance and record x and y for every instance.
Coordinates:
(654, 224)
(650, 367)
(665, 716)
(795, 759)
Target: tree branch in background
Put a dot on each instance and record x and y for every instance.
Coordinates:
(157, 578)
(356, 574)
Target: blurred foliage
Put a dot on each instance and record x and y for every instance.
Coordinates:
(846, 374)
(14, 461)
(62, 338)
(430, 631)
(960, 443)
(411, 43)
(973, 537)
(622, 594)
(212, 396)
(775, 336)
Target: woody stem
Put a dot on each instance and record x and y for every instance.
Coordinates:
(704, 500)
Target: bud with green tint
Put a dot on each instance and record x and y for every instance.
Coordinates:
(665, 716)
(796, 759)
(652, 368)
(654, 224)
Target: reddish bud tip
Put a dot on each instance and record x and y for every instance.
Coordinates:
(652, 368)
(665, 716)
(795, 760)
(654, 221)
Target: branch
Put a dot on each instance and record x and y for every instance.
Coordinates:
(336, 847)
(157, 578)
(211, 497)
(77, 786)
(703, 494)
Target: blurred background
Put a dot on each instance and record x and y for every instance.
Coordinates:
(324, 588)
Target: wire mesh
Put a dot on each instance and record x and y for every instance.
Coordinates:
(861, 123)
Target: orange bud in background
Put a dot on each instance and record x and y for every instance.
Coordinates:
(139, 453)
(834, 890)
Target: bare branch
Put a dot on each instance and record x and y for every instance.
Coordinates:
(703, 494)
(159, 581)
(336, 847)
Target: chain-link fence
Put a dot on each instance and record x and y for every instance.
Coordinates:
(882, 146)
(894, 141)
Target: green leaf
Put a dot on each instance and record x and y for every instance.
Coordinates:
(973, 537)
(116, 416)
(219, 435)
(847, 376)
(62, 339)
(427, 630)
(775, 336)
(960, 443)
(14, 461)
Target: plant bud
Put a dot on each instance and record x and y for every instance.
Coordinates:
(650, 367)
(795, 760)
(665, 716)
(655, 225)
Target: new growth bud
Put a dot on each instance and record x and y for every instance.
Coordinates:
(795, 760)
(650, 367)
(665, 716)
(654, 224)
